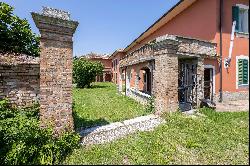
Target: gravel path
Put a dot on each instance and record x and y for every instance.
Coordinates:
(233, 106)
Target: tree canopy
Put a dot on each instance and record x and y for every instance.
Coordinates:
(85, 71)
(15, 33)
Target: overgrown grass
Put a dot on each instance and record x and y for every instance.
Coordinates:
(216, 138)
(101, 104)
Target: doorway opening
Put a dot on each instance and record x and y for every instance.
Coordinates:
(146, 80)
(208, 83)
(187, 84)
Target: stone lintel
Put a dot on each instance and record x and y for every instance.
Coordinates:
(142, 60)
(182, 47)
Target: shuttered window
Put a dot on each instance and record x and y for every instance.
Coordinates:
(240, 15)
(242, 71)
(235, 12)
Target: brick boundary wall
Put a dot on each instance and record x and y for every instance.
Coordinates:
(19, 79)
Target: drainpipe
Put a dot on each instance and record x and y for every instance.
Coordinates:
(221, 16)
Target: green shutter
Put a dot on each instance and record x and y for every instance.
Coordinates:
(242, 71)
(235, 13)
(245, 71)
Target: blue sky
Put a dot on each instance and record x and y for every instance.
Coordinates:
(104, 25)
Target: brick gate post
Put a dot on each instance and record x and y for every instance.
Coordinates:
(56, 45)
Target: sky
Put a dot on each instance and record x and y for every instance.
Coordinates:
(104, 25)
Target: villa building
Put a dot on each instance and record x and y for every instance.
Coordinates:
(104, 59)
(198, 49)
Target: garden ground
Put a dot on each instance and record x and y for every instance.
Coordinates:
(215, 138)
(101, 104)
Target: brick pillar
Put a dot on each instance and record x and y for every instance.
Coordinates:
(200, 80)
(56, 44)
(165, 86)
(104, 74)
(120, 81)
(128, 71)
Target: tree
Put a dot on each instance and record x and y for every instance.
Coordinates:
(85, 71)
(15, 33)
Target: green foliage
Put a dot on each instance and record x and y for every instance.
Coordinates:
(101, 104)
(22, 141)
(15, 33)
(85, 71)
(150, 107)
(213, 138)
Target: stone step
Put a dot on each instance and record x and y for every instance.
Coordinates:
(113, 131)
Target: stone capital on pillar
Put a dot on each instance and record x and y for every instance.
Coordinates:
(56, 47)
(53, 23)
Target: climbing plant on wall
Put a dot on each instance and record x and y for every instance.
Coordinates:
(15, 33)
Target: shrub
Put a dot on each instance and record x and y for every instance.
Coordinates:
(22, 141)
(85, 71)
(15, 33)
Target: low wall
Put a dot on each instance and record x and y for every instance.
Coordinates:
(108, 133)
(233, 96)
(19, 79)
(139, 96)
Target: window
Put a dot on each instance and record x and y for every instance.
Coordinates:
(116, 81)
(240, 15)
(115, 64)
(242, 70)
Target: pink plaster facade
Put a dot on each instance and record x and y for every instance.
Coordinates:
(115, 58)
(201, 20)
(107, 63)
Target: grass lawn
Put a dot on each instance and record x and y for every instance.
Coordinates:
(101, 104)
(216, 138)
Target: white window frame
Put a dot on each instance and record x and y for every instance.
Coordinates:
(242, 6)
(213, 68)
(237, 59)
(245, 7)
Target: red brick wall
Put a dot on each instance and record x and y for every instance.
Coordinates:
(19, 81)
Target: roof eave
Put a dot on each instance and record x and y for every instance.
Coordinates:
(144, 35)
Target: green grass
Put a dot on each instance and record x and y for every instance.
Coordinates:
(101, 104)
(216, 138)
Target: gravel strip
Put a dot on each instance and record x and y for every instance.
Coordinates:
(107, 133)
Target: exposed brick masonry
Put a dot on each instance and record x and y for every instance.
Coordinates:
(19, 79)
(56, 68)
(166, 52)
